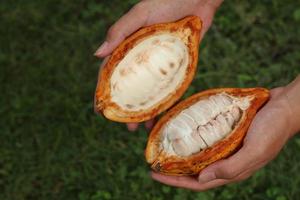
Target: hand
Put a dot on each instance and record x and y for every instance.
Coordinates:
(269, 131)
(148, 12)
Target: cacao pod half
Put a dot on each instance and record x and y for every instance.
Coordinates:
(149, 71)
(202, 129)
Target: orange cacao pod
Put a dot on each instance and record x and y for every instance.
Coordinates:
(202, 129)
(149, 71)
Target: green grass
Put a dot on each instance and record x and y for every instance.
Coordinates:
(53, 146)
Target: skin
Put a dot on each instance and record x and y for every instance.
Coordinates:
(267, 134)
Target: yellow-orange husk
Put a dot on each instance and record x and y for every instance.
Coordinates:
(192, 165)
(111, 110)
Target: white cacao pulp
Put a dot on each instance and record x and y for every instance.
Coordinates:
(203, 124)
(149, 72)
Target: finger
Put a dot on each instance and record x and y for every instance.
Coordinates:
(129, 23)
(132, 126)
(244, 160)
(219, 182)
(149, 124)
(193, 184)
(177, 181)
(187, 182)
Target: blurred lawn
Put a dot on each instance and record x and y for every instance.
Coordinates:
(53, 146)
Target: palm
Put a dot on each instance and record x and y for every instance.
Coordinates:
(268, 129)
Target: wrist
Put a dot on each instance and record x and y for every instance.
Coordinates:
(292, 95)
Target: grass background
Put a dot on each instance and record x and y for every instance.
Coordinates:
(53, 146)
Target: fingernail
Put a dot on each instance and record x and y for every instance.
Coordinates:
(101, 49)
(206, 177)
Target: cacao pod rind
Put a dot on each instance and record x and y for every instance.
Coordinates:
(103, 101)
(191, 165)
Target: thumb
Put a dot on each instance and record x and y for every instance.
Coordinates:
(126, 25)
(231, 167)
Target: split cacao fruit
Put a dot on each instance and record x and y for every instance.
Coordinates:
(202, 129)
(149, 71)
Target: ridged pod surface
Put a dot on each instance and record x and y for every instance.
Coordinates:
(202, 129)
(149, 71)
